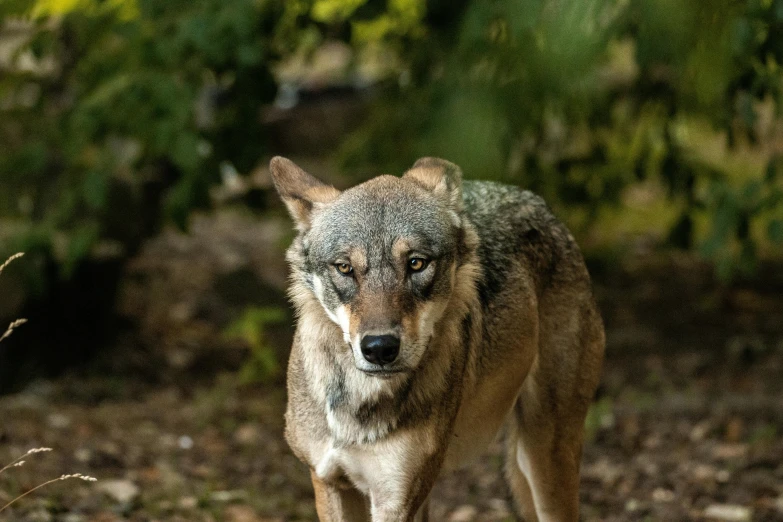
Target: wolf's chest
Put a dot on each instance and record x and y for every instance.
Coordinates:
(365, 466)
(335, 464)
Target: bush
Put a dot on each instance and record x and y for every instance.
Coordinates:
(582, 99)
(115, 116)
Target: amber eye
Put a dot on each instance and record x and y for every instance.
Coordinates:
(417, 264)
(344, 268)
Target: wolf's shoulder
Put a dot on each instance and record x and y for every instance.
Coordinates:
(516, 225)
(486, 201)
(507, 217)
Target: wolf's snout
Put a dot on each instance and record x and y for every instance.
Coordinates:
(380, 349)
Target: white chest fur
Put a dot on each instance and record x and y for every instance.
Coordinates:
(381, 467)
(352, 462)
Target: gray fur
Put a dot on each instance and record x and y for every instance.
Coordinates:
(500, 325)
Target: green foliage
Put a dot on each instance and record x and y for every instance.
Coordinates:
(600, 415)
(262, 366)
(116, 115)
(112, 110)
(582, 99)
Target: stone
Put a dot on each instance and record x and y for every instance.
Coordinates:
(728, 512)
(123, 491)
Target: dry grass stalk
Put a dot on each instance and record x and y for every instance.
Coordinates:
(11, 327)
(19, 461)
(58, 479)
(18, 322)
(9, 260)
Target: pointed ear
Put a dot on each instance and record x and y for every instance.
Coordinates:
(441, 177)
(301, 192)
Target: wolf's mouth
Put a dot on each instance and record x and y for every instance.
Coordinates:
(383, 373)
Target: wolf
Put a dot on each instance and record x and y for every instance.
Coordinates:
(432, 315)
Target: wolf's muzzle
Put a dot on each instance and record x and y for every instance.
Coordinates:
(380, 349)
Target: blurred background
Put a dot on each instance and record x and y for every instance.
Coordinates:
(134, 141)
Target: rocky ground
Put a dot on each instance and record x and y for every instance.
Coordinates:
(688, 423)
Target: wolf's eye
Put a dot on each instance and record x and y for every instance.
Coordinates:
(417, 264)
(344, 268)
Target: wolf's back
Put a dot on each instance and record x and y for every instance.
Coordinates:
(519, 237)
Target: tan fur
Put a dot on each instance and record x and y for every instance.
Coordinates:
(338, 504)
(299, 193)
(529, 362)
(429, 172)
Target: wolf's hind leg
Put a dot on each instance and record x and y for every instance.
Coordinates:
(550, 414)
(548, 455)
(550, 411)
(517, 482)
(339, 505)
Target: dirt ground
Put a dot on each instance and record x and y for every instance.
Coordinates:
(687, 425)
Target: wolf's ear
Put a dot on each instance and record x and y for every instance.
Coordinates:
(441, 177)
(301, 192)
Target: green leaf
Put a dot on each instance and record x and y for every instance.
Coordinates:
(725, 220)
(94, 189)
(184, 152)
(331, 11)
(249, 328)
(772, 171)
(775, 231)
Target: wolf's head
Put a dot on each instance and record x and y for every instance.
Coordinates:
(381, 258)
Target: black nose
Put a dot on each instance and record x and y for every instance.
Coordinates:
(380, 349)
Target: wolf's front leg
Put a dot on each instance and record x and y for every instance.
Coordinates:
(339, 504)
(405, 496)
(417, 511)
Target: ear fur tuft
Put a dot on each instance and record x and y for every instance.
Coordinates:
(441, 177)
(300, 191)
